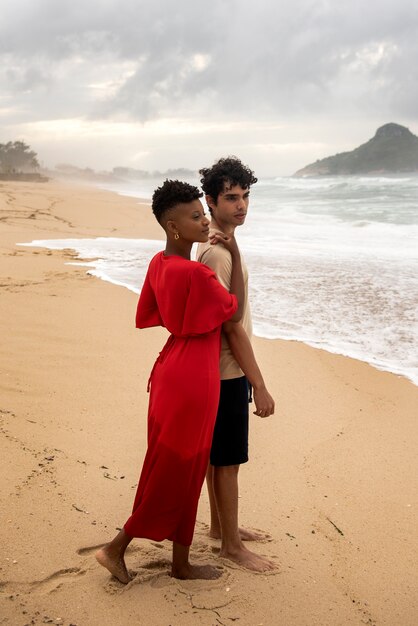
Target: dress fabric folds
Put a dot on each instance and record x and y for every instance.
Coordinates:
(185, 297)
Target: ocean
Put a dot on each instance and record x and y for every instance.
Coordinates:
(333, 263)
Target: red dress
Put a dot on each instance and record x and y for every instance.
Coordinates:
(185, 297)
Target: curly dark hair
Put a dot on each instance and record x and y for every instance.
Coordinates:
(171, 193)
(229, 170)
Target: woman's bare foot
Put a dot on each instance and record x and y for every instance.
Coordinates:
(114, 563)
(194, 572)
(248, 559)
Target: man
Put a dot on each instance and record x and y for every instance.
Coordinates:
(227, 188)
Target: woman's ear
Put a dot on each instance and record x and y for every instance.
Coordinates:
(171, 227)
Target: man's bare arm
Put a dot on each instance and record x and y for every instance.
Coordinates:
(244, 355)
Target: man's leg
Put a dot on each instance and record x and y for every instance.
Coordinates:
(182, 568)
(229, 450)
(215, 526)
(225, 491)
(246, 534)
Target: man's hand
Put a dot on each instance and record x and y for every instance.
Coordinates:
(264, 403)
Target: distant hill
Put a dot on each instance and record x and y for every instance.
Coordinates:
(393, 150)
(118, 174)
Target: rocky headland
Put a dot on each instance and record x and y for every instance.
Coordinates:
(393, 150)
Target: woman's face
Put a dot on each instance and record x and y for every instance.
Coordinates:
(190, 221)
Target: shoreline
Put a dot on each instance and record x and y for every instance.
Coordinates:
(339, 454)
(83, 261)
(85, 258)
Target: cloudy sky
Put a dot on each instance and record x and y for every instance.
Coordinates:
(157, 84)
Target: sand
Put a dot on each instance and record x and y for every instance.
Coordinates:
(332, 476)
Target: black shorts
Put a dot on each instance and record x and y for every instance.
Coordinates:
(230, 437)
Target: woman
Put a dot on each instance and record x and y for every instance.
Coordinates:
(185, 297)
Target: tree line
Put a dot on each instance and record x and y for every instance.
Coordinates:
(17, 157)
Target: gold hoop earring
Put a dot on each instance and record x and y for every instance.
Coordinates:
(176, 236)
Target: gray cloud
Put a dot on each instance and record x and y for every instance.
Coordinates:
(255, 57)
(224, 60)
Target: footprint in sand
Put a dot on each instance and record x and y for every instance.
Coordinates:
(47, 585)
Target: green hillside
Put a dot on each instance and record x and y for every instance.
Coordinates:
(393, 149)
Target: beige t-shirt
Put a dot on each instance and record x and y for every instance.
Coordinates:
(219, 260)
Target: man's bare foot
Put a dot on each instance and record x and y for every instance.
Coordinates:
(244, 533)
(253, 535)
(248, 559)
(194, 572)
(114, 563)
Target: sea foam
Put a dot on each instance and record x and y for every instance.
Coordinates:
(333, 263)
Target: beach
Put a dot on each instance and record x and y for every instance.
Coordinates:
(331, 477)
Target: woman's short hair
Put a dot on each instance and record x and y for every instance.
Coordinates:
(171, 193)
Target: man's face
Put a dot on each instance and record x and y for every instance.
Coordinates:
(232, 205)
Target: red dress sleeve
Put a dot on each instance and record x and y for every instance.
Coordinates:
(147, 312)
(208, 304)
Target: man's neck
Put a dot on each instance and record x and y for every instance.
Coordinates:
(228, 229)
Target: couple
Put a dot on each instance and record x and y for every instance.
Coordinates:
(193, 417)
